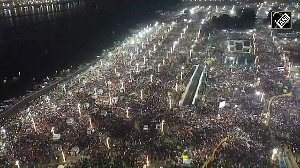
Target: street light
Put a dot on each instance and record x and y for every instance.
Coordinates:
(52, 130)
(107, 142)
(151, 78)
(162, 125)
(147, 162)
(275, 151)
(17, 163)
(170, 102)
(127, 113)
(63, 155)
(91, 126)
(158, 66)
(122, 85)
(181, 75)
(262, 97)
(110, 100)
(257, 93)
(78, 107)
(33, 123)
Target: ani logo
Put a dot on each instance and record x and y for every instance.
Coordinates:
(281, 20)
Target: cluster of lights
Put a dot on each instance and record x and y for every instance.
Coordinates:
(232, 11)
(194, 10)
(31, 2)
(206, 0)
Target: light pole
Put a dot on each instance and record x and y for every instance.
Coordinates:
(181, 75)
(170, 102)
(151, 78)
(158, 68)
(78, 107)
(17, 163)
(110, 100)
(52, 130)
(33, 123)
(147, 162)
(162, 125)
(127, 112)
(107, 142)
(262, 97)
(63, 155)
(91, 126)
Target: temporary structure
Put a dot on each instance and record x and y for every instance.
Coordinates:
(74, 151)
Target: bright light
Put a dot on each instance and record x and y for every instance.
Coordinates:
(203, 20)
(91, 123)
(257, 93)
(275, 150)
(78, 106)
(162, 125)
(107, 142)
(192, 11)
(267, 12)
(147, 162)
(17, 163)
(63, 155)
(140, 35)
(52, 130)
(132, 41)
(232, 12)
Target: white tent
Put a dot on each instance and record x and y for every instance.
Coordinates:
(103, 112)
(56, 137)
(74, 151)
(70, 121)
(222, 104)
(94, 96)
(60, 166)
(90, 131)
(115, 99)
(146, 127)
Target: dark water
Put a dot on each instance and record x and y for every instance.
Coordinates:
(38, 41)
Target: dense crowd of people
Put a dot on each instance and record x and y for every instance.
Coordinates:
(124, 110)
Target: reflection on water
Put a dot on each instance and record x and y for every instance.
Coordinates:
(33, 14)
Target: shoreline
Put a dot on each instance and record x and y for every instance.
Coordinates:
(14, 109)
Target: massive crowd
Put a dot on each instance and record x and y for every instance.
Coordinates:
(124, 110)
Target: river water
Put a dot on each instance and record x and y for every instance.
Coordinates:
(35, 42)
